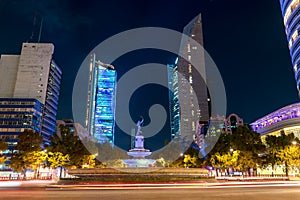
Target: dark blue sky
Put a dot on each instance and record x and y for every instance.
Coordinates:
(246, 39)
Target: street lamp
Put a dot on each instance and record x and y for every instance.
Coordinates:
(294, 142)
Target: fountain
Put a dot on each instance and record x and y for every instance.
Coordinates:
(139, 152)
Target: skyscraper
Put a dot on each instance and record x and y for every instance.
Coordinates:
(291, 18)
(30, 96)
(101, 103)
(182, 99)
(174, 99)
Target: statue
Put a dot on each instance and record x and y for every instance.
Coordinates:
(139, 124)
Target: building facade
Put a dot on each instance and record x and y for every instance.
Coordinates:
(101, 103)
(284, 120)
(174, 107)
(187, 84)
(291, 18)
(18, 114)
(32, 75)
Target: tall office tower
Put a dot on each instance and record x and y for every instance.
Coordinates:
(32, 82)
(174, 99)
(291, 18)
(192, 117)
(101, 103)
(18, 114)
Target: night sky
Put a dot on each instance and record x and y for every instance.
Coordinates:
(246, 40)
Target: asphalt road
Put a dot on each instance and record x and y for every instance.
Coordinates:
(211, 193)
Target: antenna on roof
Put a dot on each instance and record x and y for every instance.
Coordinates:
(40, 32)
(36, 28)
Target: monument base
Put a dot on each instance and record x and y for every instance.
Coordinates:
(131, 163)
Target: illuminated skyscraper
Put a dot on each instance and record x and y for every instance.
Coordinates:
(100, 114)
(29, 92)
(174, 99)
(291, 18)
(186, 117)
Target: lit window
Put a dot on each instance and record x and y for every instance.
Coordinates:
(190, 68)
(293, 38)
(190, 79)
(290, 9)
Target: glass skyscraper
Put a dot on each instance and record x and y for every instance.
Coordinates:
(174, 99)
(291, 18)
(100, 115)
(186, 117)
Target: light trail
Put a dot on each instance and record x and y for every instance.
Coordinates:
(172, 186)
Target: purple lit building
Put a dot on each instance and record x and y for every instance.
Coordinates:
(286, 119)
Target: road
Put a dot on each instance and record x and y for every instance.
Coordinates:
(276, 192)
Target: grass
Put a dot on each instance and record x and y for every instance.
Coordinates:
(134, 178)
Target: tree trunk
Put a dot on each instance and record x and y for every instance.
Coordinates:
(60, 174)
(286, 169)
(24, 177)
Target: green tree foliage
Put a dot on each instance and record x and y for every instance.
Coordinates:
(57, 159)
(224, 160)
(245, 139)
(241, 150)
(3, 159)
(69, 144)
(190, 160)
(34, 160)
(222, 146)
(3, 145)
(17, 163)
(277, 146)
(246, 160)
(29, 141)
(290, 155)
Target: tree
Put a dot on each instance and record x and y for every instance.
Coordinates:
(222, 146)
(241, 150)
(29, 142)
(246, 160)
(3, 146)
(29, 159)
(224, 160)
(278, 146)
(290, 156)
(68, 144)
(190, 161)
(245, 139)
(57, 159)
(3, 159)
(34, 159)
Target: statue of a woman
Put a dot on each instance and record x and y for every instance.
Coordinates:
(139, 124)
